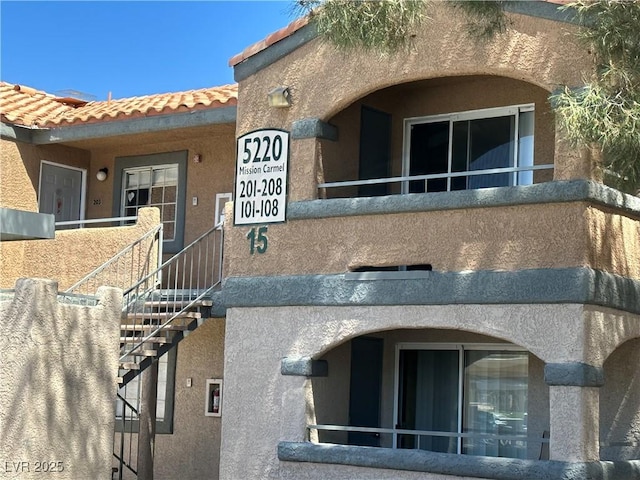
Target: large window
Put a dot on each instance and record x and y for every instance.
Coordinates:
(469, 399)
(157, 180)
(469, 150)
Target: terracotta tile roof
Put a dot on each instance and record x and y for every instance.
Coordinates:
(29, 107)
(268, 41)
(297, 25)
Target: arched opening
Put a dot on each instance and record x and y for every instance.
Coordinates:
(620, 404)
(441, 134)
(435, 390)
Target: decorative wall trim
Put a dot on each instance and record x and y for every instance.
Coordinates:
(23, 225)
(304, 367)
(458, 465)
(559, 191)
(313, 128)
(573, 374)
(564, 285)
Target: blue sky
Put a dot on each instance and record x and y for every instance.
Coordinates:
(130, 48)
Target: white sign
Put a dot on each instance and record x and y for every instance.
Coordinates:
(261, 177)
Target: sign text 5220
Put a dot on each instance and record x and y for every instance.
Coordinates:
(261, 177)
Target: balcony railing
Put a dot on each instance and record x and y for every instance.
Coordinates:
(405, 179)
(465, 440)
(118, 221)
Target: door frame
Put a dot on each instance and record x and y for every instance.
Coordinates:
(83, 184)
(461, 348)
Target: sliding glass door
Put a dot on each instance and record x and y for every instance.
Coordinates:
(474, 390)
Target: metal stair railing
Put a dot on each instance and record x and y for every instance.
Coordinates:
(170, 292)
(127, 267)
(122, 441)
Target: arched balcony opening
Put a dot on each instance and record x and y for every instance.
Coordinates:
(440, 135)
(435, 390)
(620, 404)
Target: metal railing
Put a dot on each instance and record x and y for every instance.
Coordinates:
(180, 283)
(127, 267)
(501, 438)
(126, 455)
(95, 221)
(435, 176)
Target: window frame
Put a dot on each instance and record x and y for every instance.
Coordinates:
(479, 114)
(461, 348)
(178, 158)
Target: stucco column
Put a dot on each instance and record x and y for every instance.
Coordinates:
(573, 163)
(303, 165)
(574, 410)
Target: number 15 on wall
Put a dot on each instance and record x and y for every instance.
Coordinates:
(258, 241)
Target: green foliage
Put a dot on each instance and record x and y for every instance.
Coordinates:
(381, 25)
(606, 112)
(485, 18)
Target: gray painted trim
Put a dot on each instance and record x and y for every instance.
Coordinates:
(155, 123)
(23, 225)
(304, 367)
(273, 53)
(313, 128)
(539, 9)
(573, 374)
(458, 465)
(16, 133)
(560, 191)
(179, 157)
(284, 47)
(535, 286)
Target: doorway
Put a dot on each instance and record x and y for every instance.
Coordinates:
(61, 191)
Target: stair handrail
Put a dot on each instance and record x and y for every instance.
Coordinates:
(155, 232)
(158, 273)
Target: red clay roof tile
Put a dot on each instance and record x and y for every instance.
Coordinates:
(29, 107)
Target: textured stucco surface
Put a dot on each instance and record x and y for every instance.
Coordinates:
(58, 382)
(263, 406)
(498, 238)
(540, 52)
(216, 146)
(72, 254)
(20, 167)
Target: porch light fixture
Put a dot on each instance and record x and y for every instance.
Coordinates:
(102, 174)
(279, 97)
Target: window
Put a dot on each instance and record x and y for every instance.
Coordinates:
(453, 151)
(153, 186)
(479, 391)
(164, 402)
(157, 180)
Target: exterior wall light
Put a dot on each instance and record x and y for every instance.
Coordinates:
(279, 97)
(102, 174)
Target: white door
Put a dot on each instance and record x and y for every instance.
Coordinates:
(61, 191)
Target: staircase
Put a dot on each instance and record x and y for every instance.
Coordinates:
(161, 306)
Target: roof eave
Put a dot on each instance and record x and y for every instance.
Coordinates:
(156, 123)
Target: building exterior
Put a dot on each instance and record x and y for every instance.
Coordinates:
(454, 293)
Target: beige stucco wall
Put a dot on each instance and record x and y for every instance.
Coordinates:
(324, 81)
(72, 254)
(216, 146)
(263, 407)
(57, 383)
(498, 238)
(192, 450)
(20, 170)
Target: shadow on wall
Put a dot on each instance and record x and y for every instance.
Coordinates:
(620, 404)
(58, 382)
